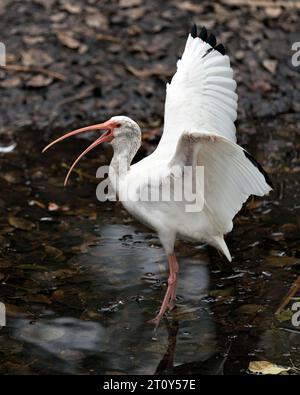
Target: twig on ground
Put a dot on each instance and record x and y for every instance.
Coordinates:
(39, 70)
(264, 3)
(293, 290)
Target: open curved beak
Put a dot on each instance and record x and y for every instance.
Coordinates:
(108, 136)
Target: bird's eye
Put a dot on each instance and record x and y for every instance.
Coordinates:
(118, 125)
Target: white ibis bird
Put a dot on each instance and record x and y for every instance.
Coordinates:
(199, 130)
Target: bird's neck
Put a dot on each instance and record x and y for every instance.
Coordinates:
(122, 158)
(120, 163)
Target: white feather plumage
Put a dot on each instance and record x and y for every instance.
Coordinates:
(200, 110)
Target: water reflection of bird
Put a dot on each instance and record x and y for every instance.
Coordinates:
(199, 130)
(214, 365)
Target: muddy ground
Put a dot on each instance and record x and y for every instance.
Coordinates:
(80, 278)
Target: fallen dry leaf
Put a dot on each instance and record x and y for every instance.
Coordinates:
(14, 311)
(158, 70)
(189, 6)
(71, 8)
(289, 227)
(36, 57)
(53, 206)
(129, 3)
(20, 223)
(270, 65)
(265, 367)
(36, 203)
(39, 81)
(107, 37)
(67, 39)
(285, 315)
(54, 253)
(281, 261)
(12, 82)
(58, 295)
(96, 20)
(273, 12)
(58, 17)
(32, 40)
(262, 86)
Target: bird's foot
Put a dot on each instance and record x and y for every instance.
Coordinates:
(156, 320)
(163, 308)
(170, 295)
(173, 292)
(171, 304)
(172, 301)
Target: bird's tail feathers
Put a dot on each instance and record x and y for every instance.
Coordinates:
(222, 246)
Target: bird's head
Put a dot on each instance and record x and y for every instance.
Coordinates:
(126, 130)
(119, 131)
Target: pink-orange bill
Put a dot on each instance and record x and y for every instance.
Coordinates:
(106, 137)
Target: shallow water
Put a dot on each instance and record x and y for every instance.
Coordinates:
(80, 279)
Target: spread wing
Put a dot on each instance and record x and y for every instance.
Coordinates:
(231, 175)
(201, 95)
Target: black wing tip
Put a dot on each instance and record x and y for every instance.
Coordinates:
(260, 168)
(203, 34)
(220, 48)
(194, 31)
(210, 39)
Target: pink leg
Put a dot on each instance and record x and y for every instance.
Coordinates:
(175, 269)
(171, 290)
